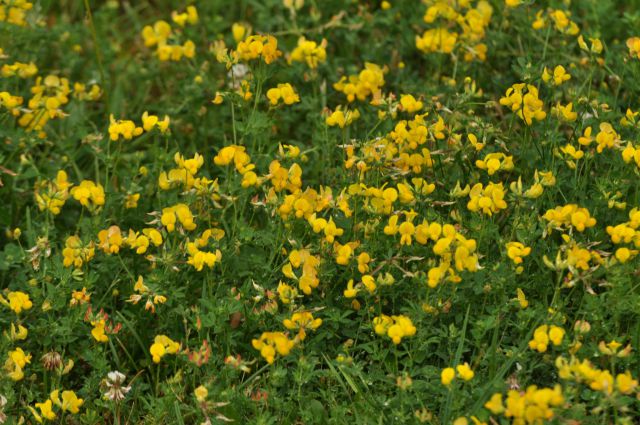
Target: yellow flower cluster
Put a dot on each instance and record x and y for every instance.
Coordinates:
(258, 46)
(199, 258)
(80, 92)
(89, 194)
(15, 363)
(469, 25)
(569, 216)
(161, 35)
(11, 103)
(597, 379)
(183, 175)
(409, 103)
(179, 213)
(401, 150)
(302, 321)
(516, 251)
(241, 160)
(488, 199)
(452, 248)
(633, 44)
(310, 52)
(543, 335)
(463, 371)
(67, 401)
(19, 69)
(52, 195)
(163, 345)
(308, 280)
(271, 343)
(559, 76)
(76, 253)
(284, 92)
(533, 406)
(542, 179)
(127, 129)
(15, 11)
(395, 327)
(367, 83)
(626, 233)
(494, 162)
(111, 240)
(342, 118)
(49, 94)
(17, 301)
(523, 99)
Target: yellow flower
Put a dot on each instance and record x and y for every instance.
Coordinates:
(410, 104)
(395, 327)
(465, 372)
(98, 331)
(560, 75)
(495, 404)
(623, 254)
(625, 383)
(489, 199)
(522, 299)
(633, 44)
(75, 253)
(563, 23)
(437, 40)
(406, 230)
(302, 321)
(110, 240)
(284, 92)
(271, 343)
(18, 334)
(15, 363)
(88, 193)
(310, 52)
(526, 104)
(239, 31)
(494, 162)
(149, 122)
(556, 334)
(367, 83)
(17, 301)
(286, 293)
(545, 334)
(596, 45)
(350, 292)
(163, 345)
(565, 113)
(201, 393)
(70, 402)
(46, 411)
(177, 213)
(447, 375)
(126, 129)
(258, 46)
(540, 339)
(342, 118)
(570, 215)
(158, 34)
(131, 200)
(516, 250)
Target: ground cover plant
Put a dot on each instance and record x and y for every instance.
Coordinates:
(310, 212)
